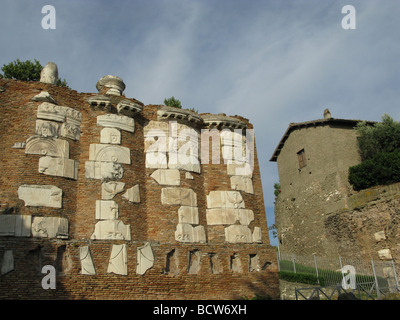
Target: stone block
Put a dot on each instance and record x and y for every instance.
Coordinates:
(257, 235)
(50, 227)
(8, 262)
(184, 162)
(239, 169)
(385, 254)
(169, 177)
(71, 131)
(110, 135)
(145, 259)
(225, 216)
(128, 108)
(109, 153)
(49, 111)
(49, 73)
(238, 234)
(87, 265)
(380, 236)
(47, 129)
(110, 189)
(103, 170)
(178, 196)
(111, 120)
(40, 195)
(132, 194)
(242, 183)
(187, 233)
(156, 160)
(44, 96)
(15, 225)
(118, 262)
(47, 147)
(188, 214)
(111, 230)
(225, 199)
(106, 210)
(61, 167)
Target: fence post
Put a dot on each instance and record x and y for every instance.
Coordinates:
(376, 280)
(316, 267)
(395, 276)
(294, 265)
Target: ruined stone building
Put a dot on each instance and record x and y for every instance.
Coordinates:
(318, 211)
(96, 191)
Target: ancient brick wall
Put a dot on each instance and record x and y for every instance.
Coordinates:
(79, 192)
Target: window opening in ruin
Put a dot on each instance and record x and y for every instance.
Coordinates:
(302, 158)
(194, 262)
(215, 263)
(254, 263)
(235, 264)
(171, 265)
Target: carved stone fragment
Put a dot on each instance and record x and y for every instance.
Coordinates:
(178, 196)
(188, 214)
(111, 230)
(118, 263)
(15, 225)
(100, 102)
(87, 265)
(49, 111)
(156, 160)
(8, 262)
(110, 189)
(61, 167)
(128, 108)
(194, 262)
(70, 130)
(47, 129)
(254, 263)
(47, 147)
(184, 162)
(225, 199)
(49, 73)
(109, 153)
(106, 210)
(187, 233)
(110, 135)
(239, 169)
(242, 183)
(115, 85)
(170, 177)
(40, 195)
(238, 234)
(116, 121)
(132, 194)
(103, 170)
(44, 96)
(50, 227)
(257, 235)
(145, 259)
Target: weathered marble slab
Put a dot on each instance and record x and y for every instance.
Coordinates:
(47, 129)
(103, 170)
(178, 196)
(47, 147)
(187, 233)
(70, 130)
(50, 227)
(184, 162)
(238, 234)
(239, 169)
(188, 214)
(44, 96)
(40, 195)
(15, 225)
(118, 263)
(116, 121)
(87, 265)
(224, 216)
(242, 183)
(257, 235)
(106, 210)
(156, 160)
(110, 189)
(110, 135)
(7, 264)
(109, 153)
(49, 111)
(111, 230)
(169, 177)
(225, 199)
(61, 167)
(132, 194)
(145, 258)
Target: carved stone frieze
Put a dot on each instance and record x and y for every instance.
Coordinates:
(50, 227)
(110, 135)
(132, 194)
(47, 147)
(103, 170)
(40, 195)
(60, 167)
(145, 259)
(109, 153)
(111, 230)
(225, 199)
(49, 111)
(187, 233)
(169, 177)
(106, 210)
(238, 234)
(87, 265)
(111, 120)
(128, 108)
(110, 189)
(178, 196)
(118, 262)
(47, 129)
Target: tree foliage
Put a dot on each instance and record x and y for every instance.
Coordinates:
(172, 102)
(380, 154)
(382, 137)
(24, 71)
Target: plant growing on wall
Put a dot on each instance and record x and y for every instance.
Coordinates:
(172, 102)
(380, 153)
(26, 71)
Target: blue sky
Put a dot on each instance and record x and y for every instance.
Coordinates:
(273, 62)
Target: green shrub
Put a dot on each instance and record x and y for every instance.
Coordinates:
(24, 71)
(172, 102)
(301, 278)
(382, 169)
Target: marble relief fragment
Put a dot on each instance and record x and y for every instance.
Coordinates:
(61, 167)
(145, 258)
(110, 135)
(118, 262)
(47, 147)
(132, 194)
(178, 196)
(106, 210)
(111, 230)
(169, 177)
(8, 262)
(87, 265)
(40, 195)
(103, 170)
(109, 153)
(50, 227)
(110, 189)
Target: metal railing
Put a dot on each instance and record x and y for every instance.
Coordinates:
(332, 271)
